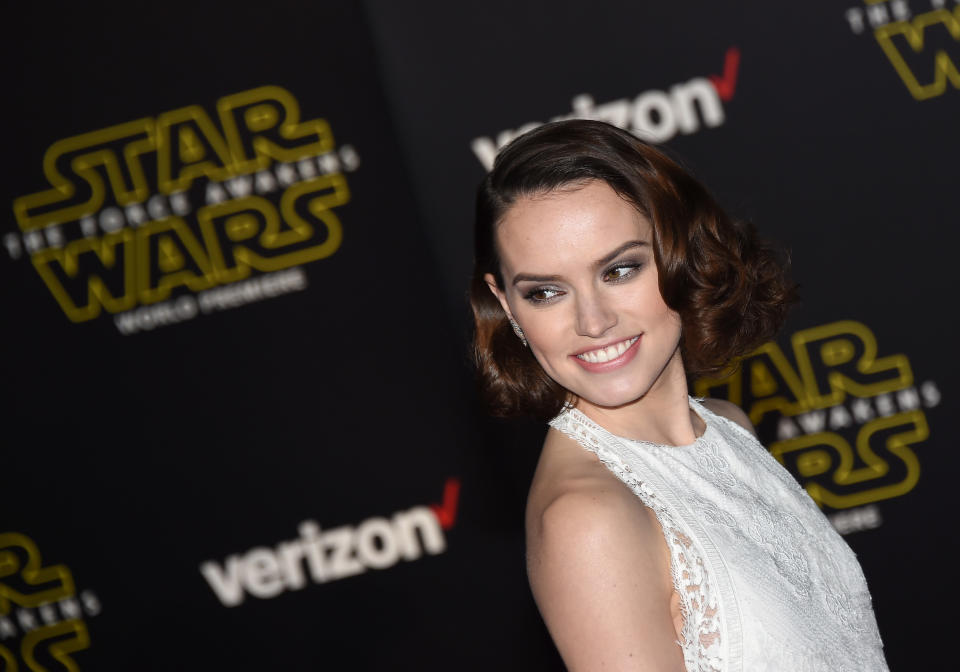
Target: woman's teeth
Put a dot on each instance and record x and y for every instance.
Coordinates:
(609, 352)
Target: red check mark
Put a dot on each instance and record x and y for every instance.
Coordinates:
(446, 513)
(727, 84)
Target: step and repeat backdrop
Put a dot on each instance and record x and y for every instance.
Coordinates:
(241, 431)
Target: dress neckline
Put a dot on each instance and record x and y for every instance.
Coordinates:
(699, 409)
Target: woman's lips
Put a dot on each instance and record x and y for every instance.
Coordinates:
(608, 357)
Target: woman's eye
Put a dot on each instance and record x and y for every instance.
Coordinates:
(620, 272)
(541, 294)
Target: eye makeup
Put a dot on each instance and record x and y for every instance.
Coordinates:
(623, 270)
(618, 272)
(541, 295)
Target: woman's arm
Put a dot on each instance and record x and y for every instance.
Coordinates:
(599, 569)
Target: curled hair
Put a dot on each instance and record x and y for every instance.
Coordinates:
(728, 287)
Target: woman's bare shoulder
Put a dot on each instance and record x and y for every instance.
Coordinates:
(569, 478)
(598, 565)
(731, 411)
(574, 496)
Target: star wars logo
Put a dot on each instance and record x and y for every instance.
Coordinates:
(150, 209)
(846, 419)
(42, 616)
(922, 44)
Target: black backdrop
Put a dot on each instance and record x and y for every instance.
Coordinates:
(241, 430)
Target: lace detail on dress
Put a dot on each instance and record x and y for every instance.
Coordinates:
(763, 517)
(701, 632)
(765, 583)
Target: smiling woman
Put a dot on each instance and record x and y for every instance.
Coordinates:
(604, 276)
(583, 287)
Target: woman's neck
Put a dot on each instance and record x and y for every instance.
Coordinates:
(662, 415)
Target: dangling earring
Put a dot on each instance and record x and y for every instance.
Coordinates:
(518, 331)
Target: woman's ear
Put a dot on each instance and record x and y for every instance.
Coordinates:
(497, 292)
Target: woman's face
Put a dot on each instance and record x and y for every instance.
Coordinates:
(580, 279)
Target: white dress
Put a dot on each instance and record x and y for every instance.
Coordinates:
(765, 582)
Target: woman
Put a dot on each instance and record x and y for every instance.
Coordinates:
(605, 275)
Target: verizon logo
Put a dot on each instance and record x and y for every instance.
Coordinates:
(321, 556)
(655, 115)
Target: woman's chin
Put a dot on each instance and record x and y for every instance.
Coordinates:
(613, 399)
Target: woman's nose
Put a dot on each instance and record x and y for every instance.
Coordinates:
(594, 316)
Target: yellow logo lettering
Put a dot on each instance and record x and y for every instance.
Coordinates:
(914, 39)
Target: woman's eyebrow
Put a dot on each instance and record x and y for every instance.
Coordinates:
(528, 277)
(617, 252)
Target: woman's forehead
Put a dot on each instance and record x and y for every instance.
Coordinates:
(568, 225)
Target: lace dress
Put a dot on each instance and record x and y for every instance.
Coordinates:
(765, 583)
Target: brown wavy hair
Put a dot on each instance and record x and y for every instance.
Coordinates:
(729, 288)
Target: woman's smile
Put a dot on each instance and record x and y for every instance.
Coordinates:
(606, 358)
